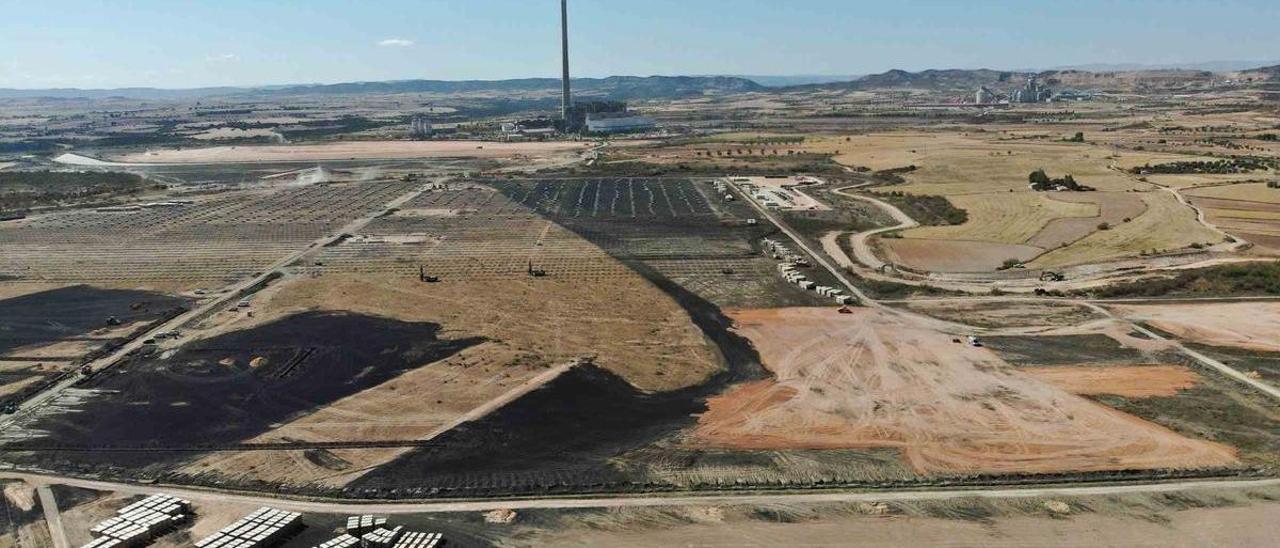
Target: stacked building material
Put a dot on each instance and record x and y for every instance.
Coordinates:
(341, 541)
(420, 540)
(359, 525)
(382, 536)
(140, 523)
(264, 527)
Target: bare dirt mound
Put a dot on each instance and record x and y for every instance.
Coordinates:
(875, 379)
(1150, 381)
(1253, 326)
(954, 255)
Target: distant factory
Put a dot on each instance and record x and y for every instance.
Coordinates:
(593, 116)
(1031, 92)
(420, 127)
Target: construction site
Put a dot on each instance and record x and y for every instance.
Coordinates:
(644, 312)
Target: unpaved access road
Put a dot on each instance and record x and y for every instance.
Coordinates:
(861, 249)
(53, 516)
(642, 501)
(831, 246)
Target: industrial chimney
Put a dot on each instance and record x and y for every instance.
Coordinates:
(567, 101)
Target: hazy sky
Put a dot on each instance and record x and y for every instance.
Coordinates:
(188, 43)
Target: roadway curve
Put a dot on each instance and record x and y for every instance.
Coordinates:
(860, 241)
(832, 247)
(869, 265)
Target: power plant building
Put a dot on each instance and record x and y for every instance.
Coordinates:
(420, 128)
(623, 122)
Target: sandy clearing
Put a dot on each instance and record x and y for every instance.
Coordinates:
(20, 494)
(1249, 325)
(953, 255)
(1143, 381)
(350, 150)
(874, 379)
(787, 192)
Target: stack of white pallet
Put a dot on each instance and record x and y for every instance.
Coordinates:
(382, 536)
(141, 522)
(264, 527)
(340, 541)
(359, 525)
(420, 540)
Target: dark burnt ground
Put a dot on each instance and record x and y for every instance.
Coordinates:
(1026, 350)
(208, 394)
(71, 312)
(569, 435)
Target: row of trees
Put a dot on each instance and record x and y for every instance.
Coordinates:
(1041, 182)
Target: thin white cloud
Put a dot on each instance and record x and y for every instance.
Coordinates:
(395, 43)
(221, 58)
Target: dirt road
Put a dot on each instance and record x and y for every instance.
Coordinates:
(861, 249)
(800, 242)
(53, 516)
(641, 501)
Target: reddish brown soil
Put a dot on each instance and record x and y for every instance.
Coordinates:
(876, 379)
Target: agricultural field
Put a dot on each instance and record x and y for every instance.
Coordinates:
(1250, 211)
(985, 174)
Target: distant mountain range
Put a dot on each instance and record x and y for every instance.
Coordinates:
(799, 79)
(1213, 66)
(968, 80)
(613, 87)
(673, 87)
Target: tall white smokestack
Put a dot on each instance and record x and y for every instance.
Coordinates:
(567, 100)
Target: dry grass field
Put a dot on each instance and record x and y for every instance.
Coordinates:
(985, 173)
(1250, 211)
(1166, 225)
(626, 326)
